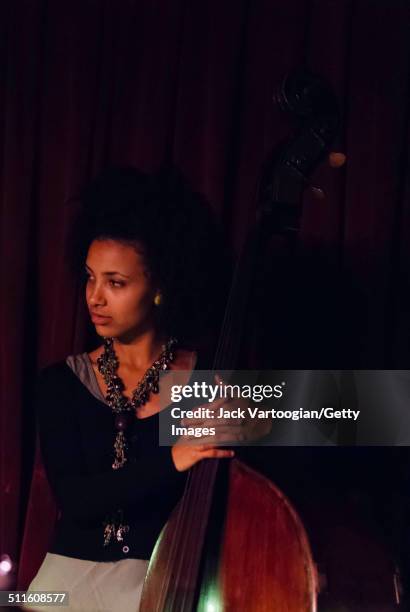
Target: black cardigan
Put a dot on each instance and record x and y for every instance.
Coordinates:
(76, 437)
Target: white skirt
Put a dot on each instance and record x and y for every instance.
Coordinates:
(92, 586)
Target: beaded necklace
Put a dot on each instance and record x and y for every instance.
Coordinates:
(125, 411)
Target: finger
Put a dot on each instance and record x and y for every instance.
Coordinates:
(187, 422)
(229, 402)
(218, 441)
(205, 446)
(228, 437)
(218, 379)
(234, 435)
(213, 406)
(230, 433)
(237, 432)
(217, 454)
(235, 422)
(220, 402)
(213, 422)
(193, 441)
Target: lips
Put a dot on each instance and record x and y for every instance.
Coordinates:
(98, 318)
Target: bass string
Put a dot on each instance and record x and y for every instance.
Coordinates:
(221, 356)
(174, 559)
(226, 348)
(194, 513)
(228, 345)
(191, 506)
(205, 481)
(197, 494)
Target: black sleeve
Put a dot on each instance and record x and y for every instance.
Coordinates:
(91, 496)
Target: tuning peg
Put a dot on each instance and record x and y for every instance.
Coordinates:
(336, 159)
(317, 192)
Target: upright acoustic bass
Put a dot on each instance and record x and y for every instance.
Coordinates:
(234, 542)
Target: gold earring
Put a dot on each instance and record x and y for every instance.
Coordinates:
(158, 299)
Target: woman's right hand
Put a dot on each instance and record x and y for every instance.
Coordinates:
(186, 455)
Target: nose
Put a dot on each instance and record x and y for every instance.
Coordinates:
(96, 295)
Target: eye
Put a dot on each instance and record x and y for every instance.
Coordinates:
(116, 283)
(87, 277)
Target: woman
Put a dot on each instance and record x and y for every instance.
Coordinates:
(149, 250)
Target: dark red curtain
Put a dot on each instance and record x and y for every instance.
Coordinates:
(90, 82)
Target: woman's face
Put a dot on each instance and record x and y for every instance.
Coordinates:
(119, 292)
